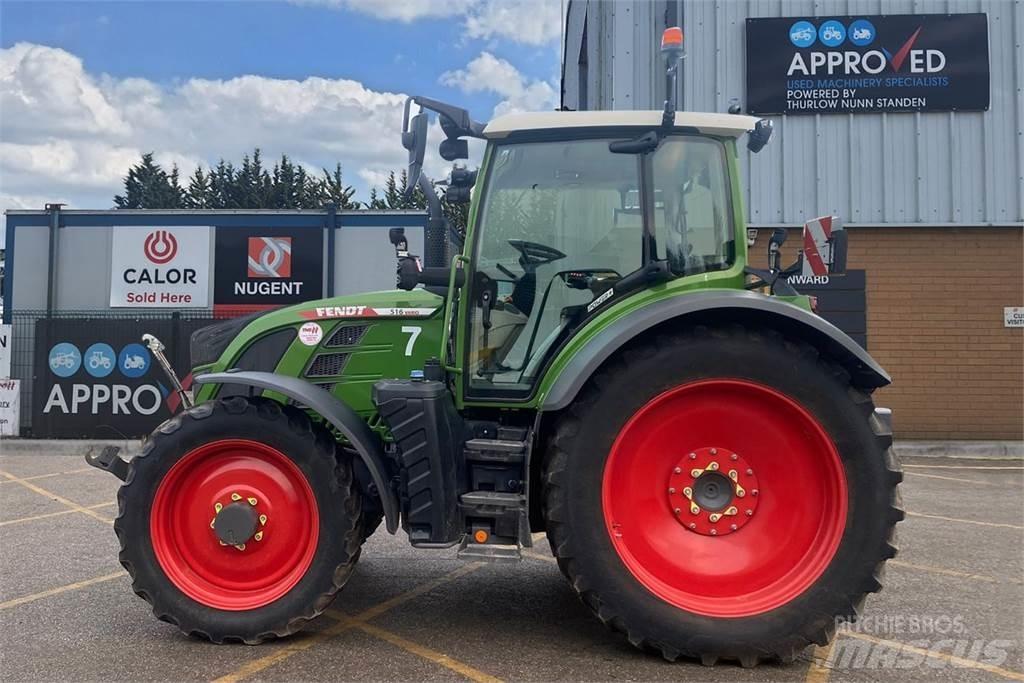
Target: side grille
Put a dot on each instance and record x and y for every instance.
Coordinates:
(327, 365)
(347, 335)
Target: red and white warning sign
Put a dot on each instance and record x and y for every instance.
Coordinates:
(818, 244)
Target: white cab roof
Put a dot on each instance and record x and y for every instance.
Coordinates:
(728, 125)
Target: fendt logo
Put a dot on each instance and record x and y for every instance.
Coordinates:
(160, 247)
(270, 257)
(861, 33)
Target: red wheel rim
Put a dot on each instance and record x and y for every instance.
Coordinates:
(270, 562)
(780, 550)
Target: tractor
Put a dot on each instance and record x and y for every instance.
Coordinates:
(592, 358)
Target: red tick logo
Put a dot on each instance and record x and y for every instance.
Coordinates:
(897, 59)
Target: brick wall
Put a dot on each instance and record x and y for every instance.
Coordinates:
(935, 322)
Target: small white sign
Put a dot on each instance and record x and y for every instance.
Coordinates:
(10, 407)
(1013, 316)
(5, 351)
(310, 334)
(160, 267)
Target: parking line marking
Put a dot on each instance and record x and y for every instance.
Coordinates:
(297, 646)
(381, 608)
(60, 589)
(54, 514)
(434, 656)
(47, 476)
(821, 664)
(965, 521)
(951, 572)
(53, 496)
(963, 467)
(959, 480)
(952, 659)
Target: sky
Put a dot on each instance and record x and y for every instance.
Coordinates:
(87, 87)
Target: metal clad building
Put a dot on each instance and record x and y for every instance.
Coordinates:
(934, 198)
(951, 168)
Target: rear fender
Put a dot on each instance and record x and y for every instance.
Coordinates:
(341, 416)
(718, 306)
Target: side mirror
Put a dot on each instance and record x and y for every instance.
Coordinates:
(825, 247)
(408, 273)
(759, 137)
(414, 139)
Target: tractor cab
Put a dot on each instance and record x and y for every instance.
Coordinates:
(574, 211)
(565, 224)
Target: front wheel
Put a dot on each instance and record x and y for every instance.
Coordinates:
(722, 494)
(239, 520)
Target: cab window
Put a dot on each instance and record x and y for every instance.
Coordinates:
(558, 226)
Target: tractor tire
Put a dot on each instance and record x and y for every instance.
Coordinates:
(722, 494)
(238, 522)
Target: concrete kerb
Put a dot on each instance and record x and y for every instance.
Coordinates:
(65, 447)
(958, 449)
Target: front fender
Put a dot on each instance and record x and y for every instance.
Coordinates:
(712, 306)
(341, 416)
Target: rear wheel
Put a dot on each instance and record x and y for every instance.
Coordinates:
(722, 494)
(238, 522)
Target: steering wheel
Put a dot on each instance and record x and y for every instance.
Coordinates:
(533, 254)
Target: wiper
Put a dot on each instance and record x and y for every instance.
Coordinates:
(645, 144)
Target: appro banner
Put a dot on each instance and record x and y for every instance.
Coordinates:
(264, 267)
(860, 64)
(160, 267)
(94, 379)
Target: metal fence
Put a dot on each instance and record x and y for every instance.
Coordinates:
(174, 328)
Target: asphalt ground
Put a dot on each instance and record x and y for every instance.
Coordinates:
(952, 608)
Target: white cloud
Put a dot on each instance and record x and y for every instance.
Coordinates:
(402, 10)
(487, 73)
(69, 135)
(533, 22)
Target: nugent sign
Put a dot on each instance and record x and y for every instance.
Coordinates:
(853, 64)
(264, 267)
(160, 267)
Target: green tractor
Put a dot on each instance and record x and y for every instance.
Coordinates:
(597, 362)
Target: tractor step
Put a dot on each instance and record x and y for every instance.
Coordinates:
(498, 526)
(485, 502)
(489, 552)
(495, 450)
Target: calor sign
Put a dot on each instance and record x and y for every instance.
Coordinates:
(160, 267)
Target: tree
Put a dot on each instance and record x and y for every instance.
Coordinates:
(333, 189)
(199, 194)
(148, 186)
(251, 185)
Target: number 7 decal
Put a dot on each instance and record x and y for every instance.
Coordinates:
(413, 333)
